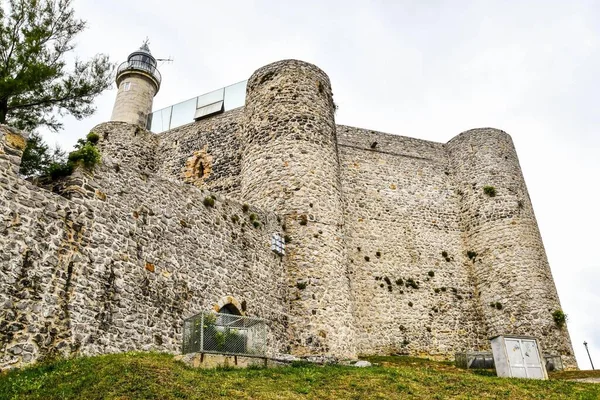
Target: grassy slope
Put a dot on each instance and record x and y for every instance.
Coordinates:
(158, 376)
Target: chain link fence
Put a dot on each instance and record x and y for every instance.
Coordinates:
(210, 332)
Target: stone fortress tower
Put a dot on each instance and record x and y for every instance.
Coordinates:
(290, 164)
(138, 81)
(392, 244)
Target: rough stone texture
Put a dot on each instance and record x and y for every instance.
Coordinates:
(511, 267)
(290, 165)
(216, 139)
(393, 245)
(120, 271)
(401, 215)
(134, 105)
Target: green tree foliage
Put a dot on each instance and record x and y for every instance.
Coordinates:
(37, 156)
(39, 160)
(35, 85)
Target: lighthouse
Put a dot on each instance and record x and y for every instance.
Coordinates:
(138, 81)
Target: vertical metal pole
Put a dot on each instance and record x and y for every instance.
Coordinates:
(185, 325)
(588, 351)
(202, 332)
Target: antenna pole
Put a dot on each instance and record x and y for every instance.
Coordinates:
(588, 351)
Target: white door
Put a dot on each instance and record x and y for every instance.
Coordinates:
(515, 358)
(532, 359)
(524, 358)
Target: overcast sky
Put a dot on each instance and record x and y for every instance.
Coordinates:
(425, 69)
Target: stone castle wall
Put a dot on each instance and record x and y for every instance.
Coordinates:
(393, 246)
(118, 260)
(206, 153)
(412, 291)
(512, 276)
(290, 165)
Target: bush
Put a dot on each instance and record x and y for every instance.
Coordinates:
(209, 202)
(58, 170)
(489, 190)
(93, 137)
(431, 274)
(88, 155)
(560, 318)
(301, 285)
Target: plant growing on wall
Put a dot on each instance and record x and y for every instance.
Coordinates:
(560, 318)
(410, 282)
(489, 190)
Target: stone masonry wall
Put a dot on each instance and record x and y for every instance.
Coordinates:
(126, 258)
(206, 153)
(290, 165)
(410, 280)
(393, 247)
(512, 275)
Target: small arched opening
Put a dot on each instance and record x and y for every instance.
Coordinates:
(230, 309)
(230, 305)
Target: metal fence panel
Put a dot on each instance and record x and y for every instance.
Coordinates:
(210, 332)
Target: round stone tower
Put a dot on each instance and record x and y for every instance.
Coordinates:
(138, 81)
(290, 165)
(503, 244)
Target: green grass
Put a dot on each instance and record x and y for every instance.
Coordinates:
(158, 376)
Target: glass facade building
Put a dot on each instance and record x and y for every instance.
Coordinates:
(217, 101)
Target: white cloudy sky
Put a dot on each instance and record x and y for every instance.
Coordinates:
(426, 69)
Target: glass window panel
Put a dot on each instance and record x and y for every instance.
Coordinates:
(210, 98)
(235, 95)
(159, 120)
(183, 113)
(209, 110)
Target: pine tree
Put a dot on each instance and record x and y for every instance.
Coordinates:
(35, 83)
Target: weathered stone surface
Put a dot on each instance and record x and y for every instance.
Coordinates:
(393, 247)
(290, 165)
(74, 276)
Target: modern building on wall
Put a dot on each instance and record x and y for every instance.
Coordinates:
(251, 200)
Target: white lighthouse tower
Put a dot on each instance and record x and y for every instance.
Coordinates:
(138, 81)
